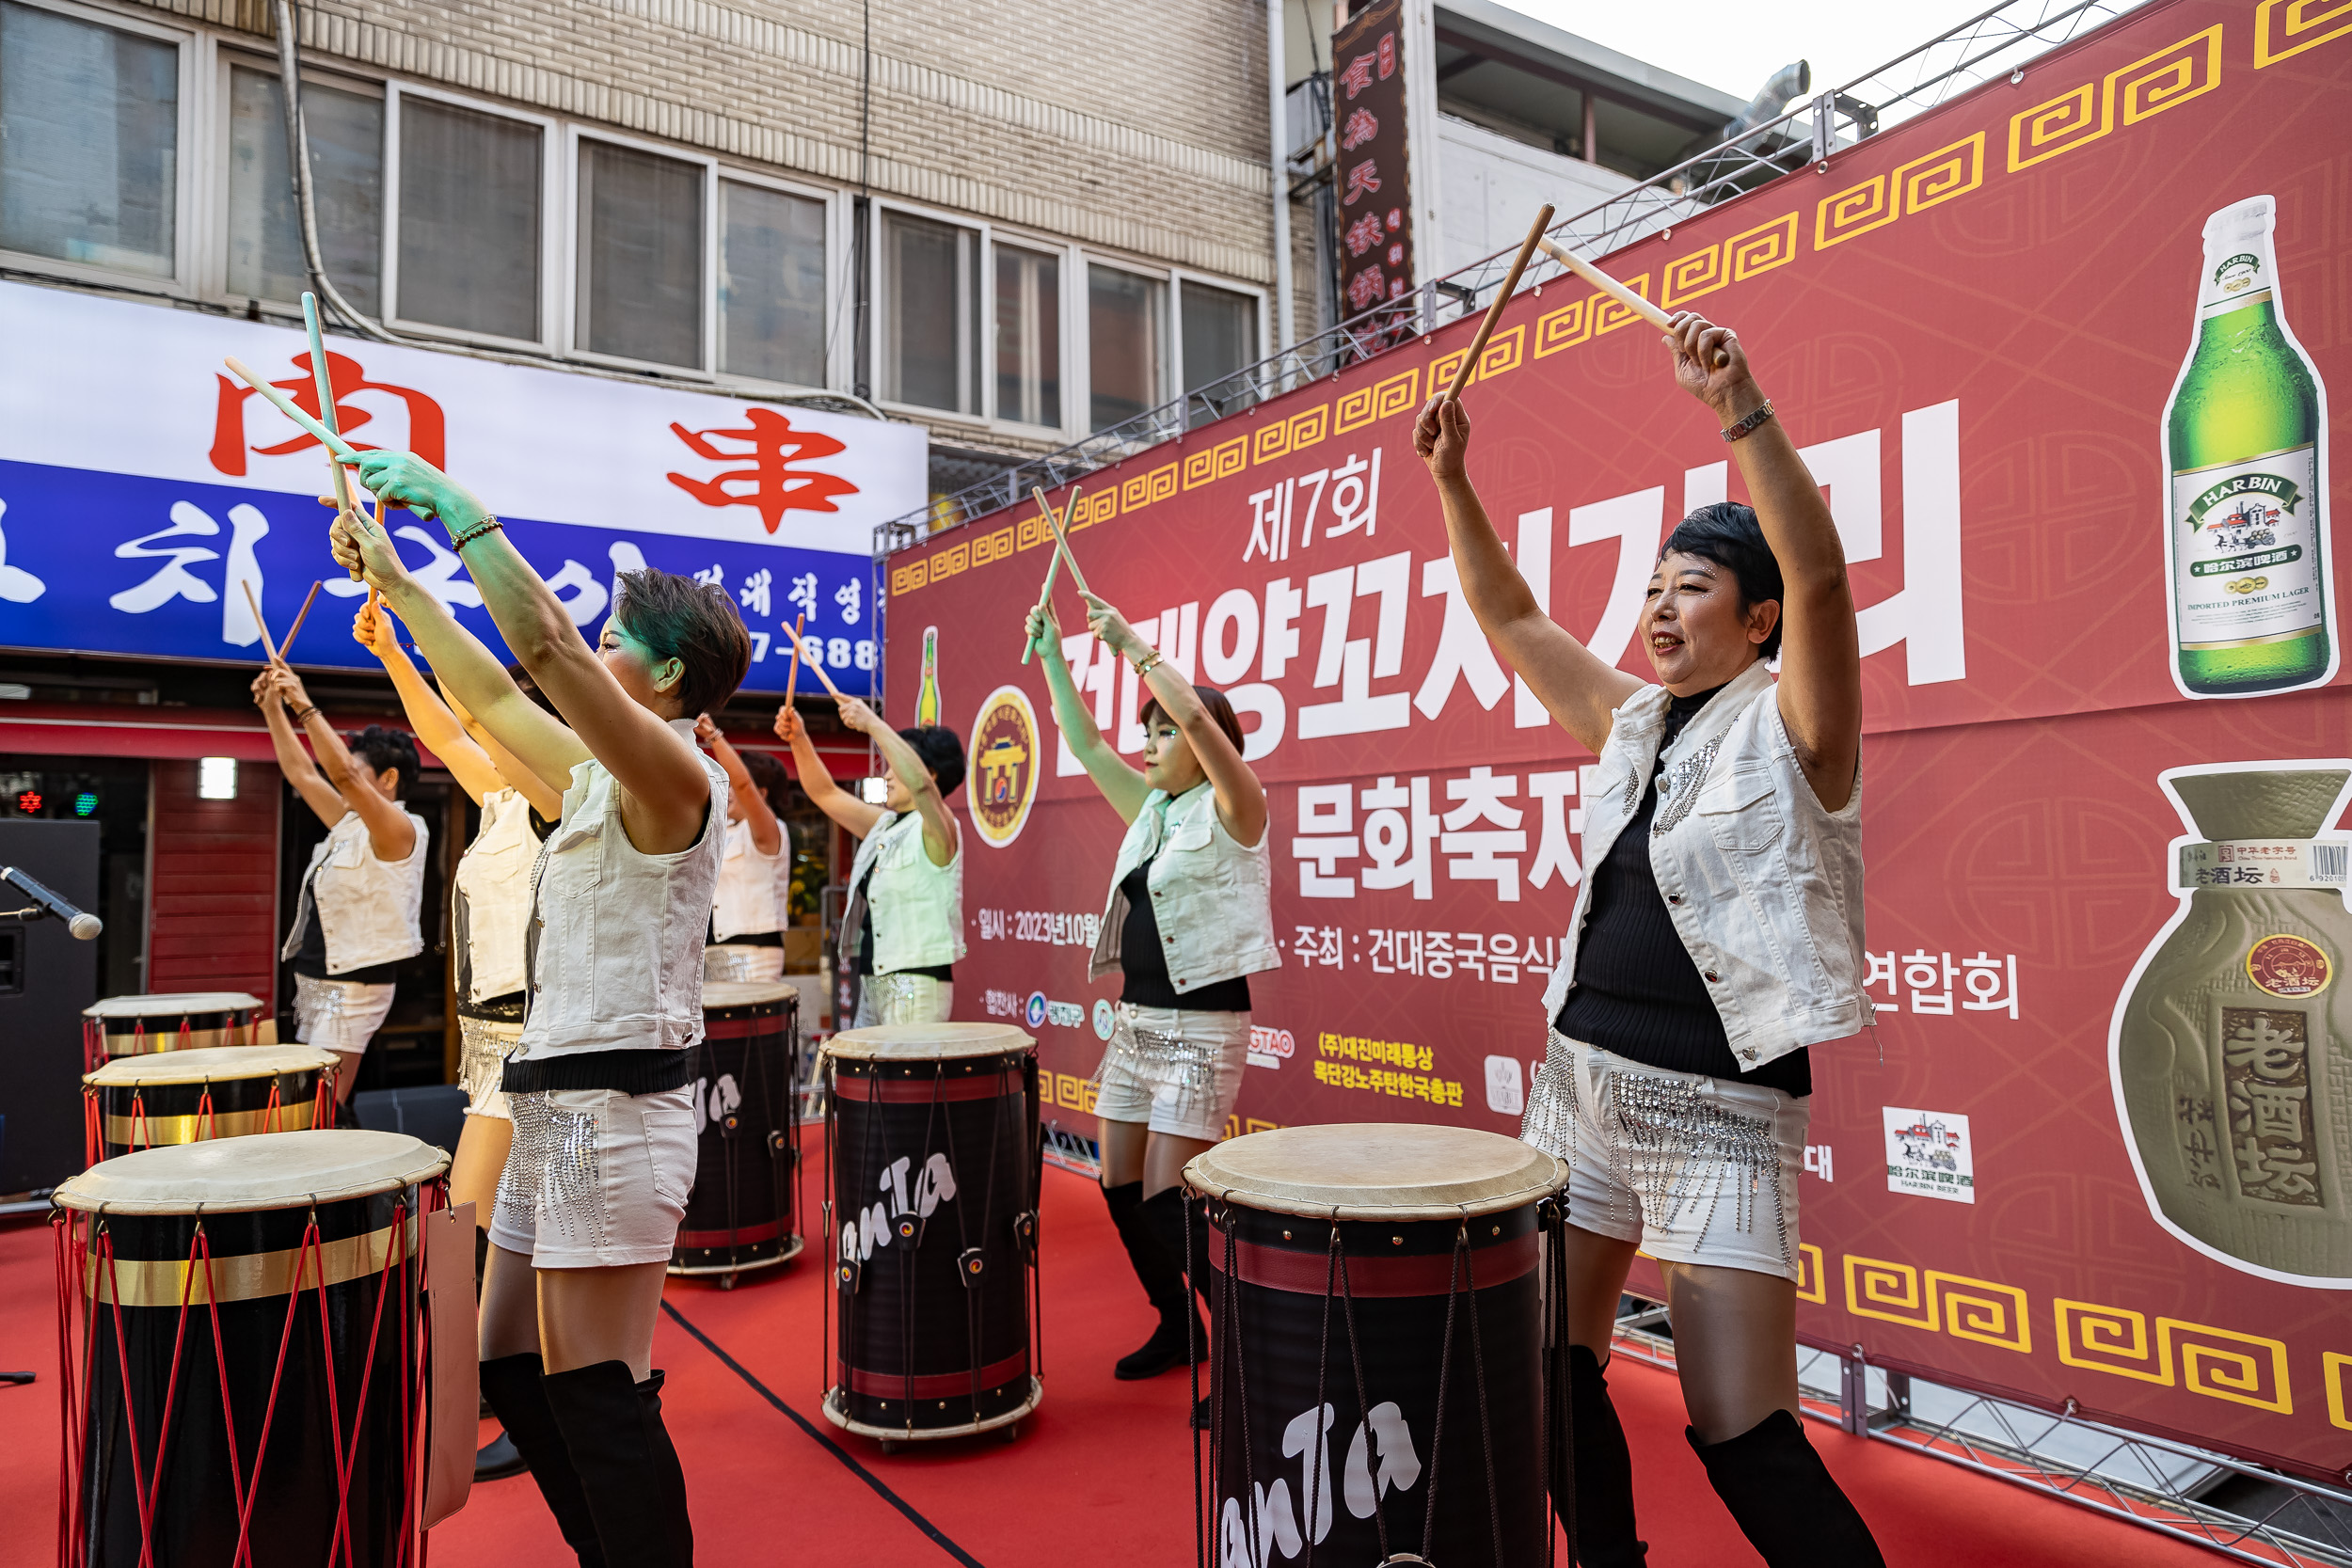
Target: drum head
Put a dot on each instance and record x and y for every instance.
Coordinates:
(211, 1064)
(173, 1005)
(227, 1176)
(719, 995)
(1376, 1171)
(928, 1042)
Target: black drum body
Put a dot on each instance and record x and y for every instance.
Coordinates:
(933, 1226)
(743, 1211)
(1289, 1323)
(283, 1089)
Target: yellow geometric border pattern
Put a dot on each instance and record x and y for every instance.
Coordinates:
(2306, 25)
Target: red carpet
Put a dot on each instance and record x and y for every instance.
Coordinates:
(1101, 1472)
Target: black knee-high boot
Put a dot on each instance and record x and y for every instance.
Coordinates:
(1783, 1499)
(1163, 1281)
(1605, 1532)
(1168, 1213)
(516, 1388)
(611, 1426)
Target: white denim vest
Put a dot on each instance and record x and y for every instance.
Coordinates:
(493, 902)
(917, 907)
(1763, 883)
(746, 899)
(367, 906)
(1211, 895)
(616, 957)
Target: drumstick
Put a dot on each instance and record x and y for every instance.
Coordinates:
(792, 681)
(816, 664)
(287, 646)
(1052, 561)
(327, 400)
(335, 443)
(1618, 292)
(1494, 311)
(1061, 539)
(255, 605)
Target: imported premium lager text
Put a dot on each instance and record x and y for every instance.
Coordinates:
(2245, 542)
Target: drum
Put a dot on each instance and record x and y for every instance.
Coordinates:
(184, 1097)
(931, 1139)
(744, 1212)
(171, 1020)
(1379, 1373)
(243, 1341)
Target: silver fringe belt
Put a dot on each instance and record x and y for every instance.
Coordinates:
(554, 1178)
(1167, 1060)
(487, 1043)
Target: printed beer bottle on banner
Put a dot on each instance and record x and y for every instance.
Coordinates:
(2232, 1046)
(926, 699)
(2246, 540)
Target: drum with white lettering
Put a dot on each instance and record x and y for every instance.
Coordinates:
(172, 1020)
(931, 1136)
(745, 1207)
(244, 1328)
(1383, 1384)
(184, 1097)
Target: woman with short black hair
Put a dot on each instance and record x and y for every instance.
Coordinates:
(1718, 936)
(604, 1153)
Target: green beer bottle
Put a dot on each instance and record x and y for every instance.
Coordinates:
(2252, 598)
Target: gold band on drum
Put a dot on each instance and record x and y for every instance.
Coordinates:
(144, 1042)
(145, 1132)
(251, 1277)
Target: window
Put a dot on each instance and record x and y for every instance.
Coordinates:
(771, 284)
(89, 135)
(470, 220)
(1028, 337)
(1127, 330)
(1220, 332)
(640, 254)
(930, 295)
(346, 135)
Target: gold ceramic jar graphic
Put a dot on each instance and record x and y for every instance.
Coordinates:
(2233, 1042)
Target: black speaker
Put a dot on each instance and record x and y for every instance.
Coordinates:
(434, 1112)
(46, 979)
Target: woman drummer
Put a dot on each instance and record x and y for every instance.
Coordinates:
(904, 929)
(604, 1151)
(748, 917)
(1718, 936)
(1190, 918)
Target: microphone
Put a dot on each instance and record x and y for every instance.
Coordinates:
(83, 925)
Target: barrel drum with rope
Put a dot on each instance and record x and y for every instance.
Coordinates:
(1383, 1383)
(172, 1020)
(931, 1137)
(245, 1364)
(184, 1097)
(744, 1212)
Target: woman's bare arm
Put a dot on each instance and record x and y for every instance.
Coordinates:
(939, 834)
(435, 726)
(324, 799)
(1241, 804)
(766, 833)
(1120, 785)
(817, 780)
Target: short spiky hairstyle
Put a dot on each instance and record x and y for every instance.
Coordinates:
(1727, 533)
(942, 751)
(696, 623)
(377, 748)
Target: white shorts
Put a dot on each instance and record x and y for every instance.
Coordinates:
(596, 1179)
(902, 999)
(734, 960)
(1693, 1169)
(1175, 1069)
(339, 1015)
(487, 1043)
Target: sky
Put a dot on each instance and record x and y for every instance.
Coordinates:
(1736, 44)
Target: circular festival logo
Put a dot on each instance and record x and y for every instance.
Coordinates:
(1104, 1018)
(1003, 765)
(2287, 966)
(1036, 1010)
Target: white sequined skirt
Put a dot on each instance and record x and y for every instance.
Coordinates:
(487, 1043)
(742, 960)
(596, 1178)
(1175, 1069)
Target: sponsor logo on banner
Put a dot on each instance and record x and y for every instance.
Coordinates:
(1062, 1015)
(1927, 1154)
(1103, 1016)
(1270, 1047)
(1003, 770)
(1036, 1010)
(2287, 966)
(1506, 1092)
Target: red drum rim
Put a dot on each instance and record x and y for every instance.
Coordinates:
(1428, 1274)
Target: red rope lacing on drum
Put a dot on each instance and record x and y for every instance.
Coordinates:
(138, 1120)
(323, 1102)
(204, 1115)
(270, 1110)
(93, 1129)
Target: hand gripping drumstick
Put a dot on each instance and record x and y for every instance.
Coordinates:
(816, 664)
(1494, 311)
(326, 401)
(295, 630)
(1618, 292)
(1052, 561)
(334, 443)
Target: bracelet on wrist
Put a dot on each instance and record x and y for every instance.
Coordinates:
(1144, 666)
(302, 716)
(488, 526)
(1747, 425)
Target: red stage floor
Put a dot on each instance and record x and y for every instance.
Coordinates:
(1101, 1473)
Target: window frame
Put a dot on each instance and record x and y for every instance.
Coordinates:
(1177, 279)
(568, 336)
(1171, 348)
(984, 349)
(1068, 257)
(554, 230)
(213, 281)
(839, 357)
(190, 174)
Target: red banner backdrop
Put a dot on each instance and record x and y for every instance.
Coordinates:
(1972, 322)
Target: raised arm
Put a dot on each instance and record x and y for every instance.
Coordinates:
(438, 728)
(389, 832)
(545, 795)
(940, 835)
(766, 833)
(1240, 798)
(1120, 784)
(1569, 679)
(293, 761)
(1820, 650)
(816, 781)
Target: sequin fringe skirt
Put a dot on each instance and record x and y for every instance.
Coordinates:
(1176, 1068)
(486, 1044)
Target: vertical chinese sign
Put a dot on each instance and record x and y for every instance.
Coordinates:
(1375, 210)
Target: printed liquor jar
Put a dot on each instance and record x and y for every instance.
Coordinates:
(2232, 1045)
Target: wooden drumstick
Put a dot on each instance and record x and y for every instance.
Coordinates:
(792, 681)
(1494, 311)
(284, 404)
(1061, 538)
(1052, 561)
(1618, 292)
(816, 664)
(295, 630)
(327, 402)
(255, 605)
